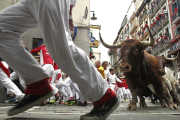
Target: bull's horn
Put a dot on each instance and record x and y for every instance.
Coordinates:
(109, 46)
(173, 59)
(122, 77)
(150, 42)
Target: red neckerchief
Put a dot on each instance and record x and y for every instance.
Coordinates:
(112, 74)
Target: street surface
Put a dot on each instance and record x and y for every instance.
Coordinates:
(64, 112)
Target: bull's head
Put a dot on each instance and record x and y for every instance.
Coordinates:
(131, 52)
(163, 61)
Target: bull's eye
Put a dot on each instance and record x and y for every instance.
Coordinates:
(135, 51)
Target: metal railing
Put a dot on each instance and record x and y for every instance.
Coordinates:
(154, 7)
(161, 44)
(175, 44)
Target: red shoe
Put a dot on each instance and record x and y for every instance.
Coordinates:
(71, 99)
(62, 103)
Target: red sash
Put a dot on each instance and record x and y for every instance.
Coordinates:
(4, 69)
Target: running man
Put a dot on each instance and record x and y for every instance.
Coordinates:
(52, 16)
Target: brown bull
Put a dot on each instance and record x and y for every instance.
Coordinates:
(162, 63)
(140, 69)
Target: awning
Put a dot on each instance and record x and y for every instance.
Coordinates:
(142, 7)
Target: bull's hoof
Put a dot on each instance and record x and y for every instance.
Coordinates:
(132, 106)
(173, 106)
(164, 105)
(143, 105)
(161, 72)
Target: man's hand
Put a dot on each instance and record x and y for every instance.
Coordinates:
(56, 81)
(71, 25)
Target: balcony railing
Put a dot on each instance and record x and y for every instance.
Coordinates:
(142, 17)
(175, 44)
(132, 28)
(163, 43)
(163, 20)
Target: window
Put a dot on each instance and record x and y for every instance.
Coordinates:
(177, 31)
(174, 7)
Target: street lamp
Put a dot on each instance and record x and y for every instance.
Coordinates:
(93, 18)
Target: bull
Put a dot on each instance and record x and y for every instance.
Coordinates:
(163, 61)
(140, 69)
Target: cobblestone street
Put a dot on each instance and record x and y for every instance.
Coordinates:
(62, 112)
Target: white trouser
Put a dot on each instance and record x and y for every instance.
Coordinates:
(64, 89)
(112, 86)
(129, 95)
(124, 91)
(50, 71)
(9, 85)
(14, 76)
(75, 87)
(52, 16)
(120, 94)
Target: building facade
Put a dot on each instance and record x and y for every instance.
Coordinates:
(163, 18)
(95, 46)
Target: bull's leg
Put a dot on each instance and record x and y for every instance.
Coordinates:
(132, 105)
(161, 94)
(143, 103)
(142, 100)
(174, 94)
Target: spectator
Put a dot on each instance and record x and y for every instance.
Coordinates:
(100, 68)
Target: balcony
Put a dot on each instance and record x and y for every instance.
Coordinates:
(132, 28)
(140, 20)
(162, 45)
(145, 32)
(164, 19)
(143, 17)
(151, 13)
(174, 45)
(154, 49)
(156, 6)
(162, 2)
(176, 17)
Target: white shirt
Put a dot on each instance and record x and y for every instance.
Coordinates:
(113, 78)
(107, 73)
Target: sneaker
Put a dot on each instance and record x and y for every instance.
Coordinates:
(72, 103)
(103, 111)
(21, 97)
(52, 101)
(9, 99)
(27, 102)
(66, 103)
